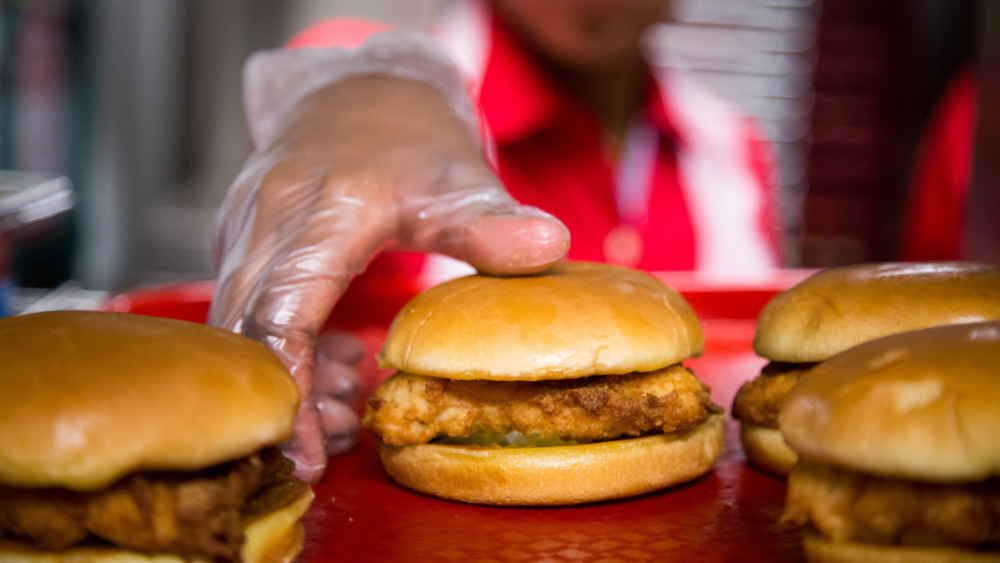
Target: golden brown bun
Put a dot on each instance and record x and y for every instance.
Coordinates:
(820, 550)
(556, 475)
(920, 405)
(275, 537)
(767, 450)
(87, 397)
(573, 320)
(842, 307)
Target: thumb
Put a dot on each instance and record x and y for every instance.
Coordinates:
(522, 240)
(486, 228)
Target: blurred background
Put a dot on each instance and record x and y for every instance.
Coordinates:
(137, 103)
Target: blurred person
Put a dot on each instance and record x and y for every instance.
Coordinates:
(939, 187)
(367, 139)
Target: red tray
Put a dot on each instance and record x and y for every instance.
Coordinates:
(729, 514)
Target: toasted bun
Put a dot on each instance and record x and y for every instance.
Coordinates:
(919, 405)
(278, 535)
(767, 450)
(87, 397)
(820, 550)
(557, 475)
(573, 320)
(836, 309)
(275, 537)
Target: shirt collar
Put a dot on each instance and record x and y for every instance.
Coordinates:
(660, 112)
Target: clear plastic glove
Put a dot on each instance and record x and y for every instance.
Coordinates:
(384, 158)
(335, 387)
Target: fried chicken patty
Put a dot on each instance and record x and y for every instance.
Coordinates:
(848, 506)
(196, 515)
(759, 400)
(415, 409)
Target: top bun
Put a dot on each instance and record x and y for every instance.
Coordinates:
(573, 320)
(87, 397)
(919, 405)
(838, 308)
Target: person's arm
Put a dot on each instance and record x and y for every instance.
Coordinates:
(356, 150)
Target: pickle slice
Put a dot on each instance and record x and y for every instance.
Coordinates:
(513, 439)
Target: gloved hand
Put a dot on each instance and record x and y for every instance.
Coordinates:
(335, 387)
(353, 165)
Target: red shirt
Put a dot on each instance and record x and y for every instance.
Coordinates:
(549, 153)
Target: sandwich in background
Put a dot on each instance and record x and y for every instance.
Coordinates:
(124, 437)
(899, 449)
(559, 388)
(838, 308)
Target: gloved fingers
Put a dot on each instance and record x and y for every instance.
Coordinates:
(233, 289)
(335, 379)
(302, 281)
(340, 346)
(236, 213)
(316, 258)
(251, 228)
(339, 424)
(284, 271)
(333, 374)
(507, 243)
(307, 446)
(487, 229)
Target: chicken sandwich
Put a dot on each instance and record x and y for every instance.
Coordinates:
(559, 388)
(899, 457)
(838, 308)
(125, 437)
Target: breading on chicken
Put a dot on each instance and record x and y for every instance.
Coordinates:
(415, 409)
(848, 506)
(199, 515)
(759, 400)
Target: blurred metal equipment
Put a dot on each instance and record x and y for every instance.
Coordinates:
(68, 296)
(981, 239)
(27, 200)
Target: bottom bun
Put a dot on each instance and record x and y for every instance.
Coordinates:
(275, 537)
(823, 550)
(556, 475)
(766, 449)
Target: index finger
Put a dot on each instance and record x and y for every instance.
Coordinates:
(320, 250)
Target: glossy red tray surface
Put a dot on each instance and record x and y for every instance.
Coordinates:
(359, 514)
